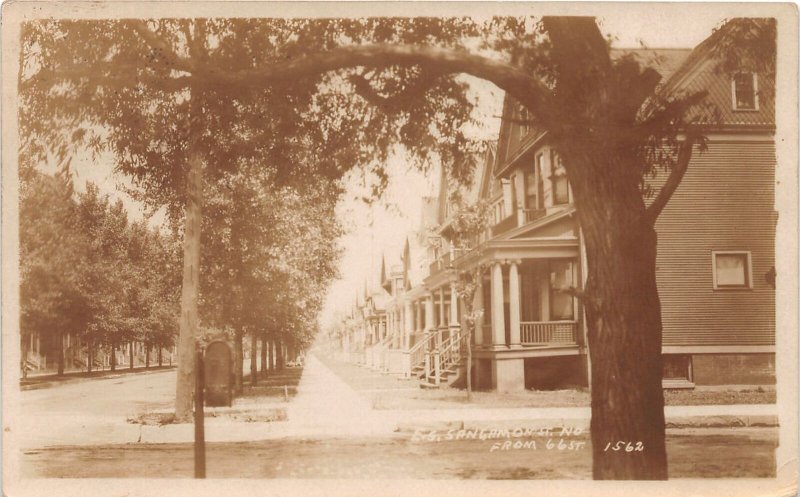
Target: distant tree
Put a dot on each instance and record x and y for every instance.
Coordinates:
(152, 305)
(52, 300)
(269, 248)
(469, 221)
(108, 280)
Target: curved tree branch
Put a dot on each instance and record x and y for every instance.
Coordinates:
(527, 89)
(161, 46)
(669, 114)
(412, 90)
(107, 74)
(675, 177)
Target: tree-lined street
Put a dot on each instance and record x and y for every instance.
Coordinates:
(243, 133)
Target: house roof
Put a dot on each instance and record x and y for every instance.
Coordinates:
(700, 72)
(667, 61)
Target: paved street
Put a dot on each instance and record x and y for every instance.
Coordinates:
(119, 396)
(75, 413)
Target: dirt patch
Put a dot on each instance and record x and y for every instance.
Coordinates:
(697, 455)
(153, 418)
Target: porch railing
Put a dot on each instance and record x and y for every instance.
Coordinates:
(445, 260)
(548, 332)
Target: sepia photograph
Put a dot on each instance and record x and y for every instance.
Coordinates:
(398, 248)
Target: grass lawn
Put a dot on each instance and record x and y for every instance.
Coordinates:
(388, 392)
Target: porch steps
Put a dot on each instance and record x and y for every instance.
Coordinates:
(447, 377)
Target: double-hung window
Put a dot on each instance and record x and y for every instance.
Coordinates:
(562, 305)
(732, 270)
(559, 181)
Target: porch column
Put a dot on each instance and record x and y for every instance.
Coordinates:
(408, 317)
(477, 307)
(453, 305)
(429, 324)
(418, 314)
(498, 315)
(442, 317)
(398, 326)
(440, 325)
(396, 331)
(514, 304)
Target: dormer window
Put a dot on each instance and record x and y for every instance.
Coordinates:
(745, 91)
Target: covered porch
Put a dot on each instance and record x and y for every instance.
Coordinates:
(530, 308)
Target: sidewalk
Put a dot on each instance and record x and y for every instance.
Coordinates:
(326, 405)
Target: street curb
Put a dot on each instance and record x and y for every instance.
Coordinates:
(721, 421)
(80, 379)
(236, 413)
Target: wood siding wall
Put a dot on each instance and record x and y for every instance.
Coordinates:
(725, 202)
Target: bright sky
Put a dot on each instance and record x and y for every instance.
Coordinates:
(383, 227)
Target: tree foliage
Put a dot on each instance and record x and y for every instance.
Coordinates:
(88, 272)
(269, 254)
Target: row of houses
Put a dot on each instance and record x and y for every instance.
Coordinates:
(715, 265)
(41, 353)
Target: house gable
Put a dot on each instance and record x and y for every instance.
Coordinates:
(559, 225)
(701, 71)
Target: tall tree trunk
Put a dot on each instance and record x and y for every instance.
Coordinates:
(624, 319)
(623, 316)
(147, 356)
(160, 358)
(130, 354)
(60, 353)
(281, 355)
(191, 270)
(253, 357)
(273, 360)
(264, 345)
(24, 358)
(113, 357)
(238, 361)
(603, 161)
(89, 356)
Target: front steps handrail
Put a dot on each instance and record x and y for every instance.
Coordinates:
(451, 350)
(416, 354)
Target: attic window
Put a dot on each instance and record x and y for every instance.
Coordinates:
(745, 91)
